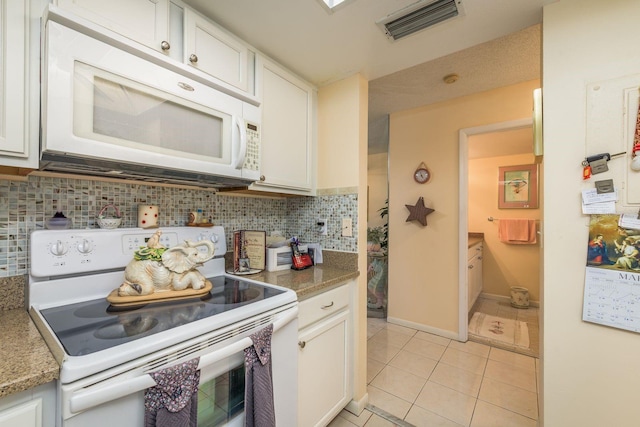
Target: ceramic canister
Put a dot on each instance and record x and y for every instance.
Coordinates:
(147, 216)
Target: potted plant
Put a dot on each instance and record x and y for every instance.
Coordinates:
(377, 236)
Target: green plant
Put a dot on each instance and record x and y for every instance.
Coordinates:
(384, 212)
(375, 235)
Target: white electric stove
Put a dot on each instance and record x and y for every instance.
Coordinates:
(105, 353)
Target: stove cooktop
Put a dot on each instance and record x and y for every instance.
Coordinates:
(90, 326)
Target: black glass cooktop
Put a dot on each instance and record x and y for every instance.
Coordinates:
(90, 326)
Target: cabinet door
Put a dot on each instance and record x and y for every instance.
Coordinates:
(13, 75)
(287, 129)
(144, 21)
(323, 374)
(28, 414)
(214, 51)
(474, 278)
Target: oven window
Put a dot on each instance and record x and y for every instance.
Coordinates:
(221, 399)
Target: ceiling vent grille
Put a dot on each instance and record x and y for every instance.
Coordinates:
(419, 16)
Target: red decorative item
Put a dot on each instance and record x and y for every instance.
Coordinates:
(636, 138)
(586, 172)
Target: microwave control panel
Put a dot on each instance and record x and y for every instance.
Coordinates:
(252, 158)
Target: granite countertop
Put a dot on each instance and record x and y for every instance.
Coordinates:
(307, 283)
(25, 359)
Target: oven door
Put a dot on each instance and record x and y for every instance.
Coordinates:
(106, 399)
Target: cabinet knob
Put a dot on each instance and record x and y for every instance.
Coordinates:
(301, 344)
(165, 45)
(471, 266)
(193, 58)
(262, 178)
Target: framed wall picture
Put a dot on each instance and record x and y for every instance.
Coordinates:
(518, 187)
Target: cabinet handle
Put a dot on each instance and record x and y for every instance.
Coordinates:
(193, 58)
(471, 266)
(301, 344)
(479, 257)
(263, 178)
(324, 307)
(165, 45)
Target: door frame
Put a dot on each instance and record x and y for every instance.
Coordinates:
(463, 182)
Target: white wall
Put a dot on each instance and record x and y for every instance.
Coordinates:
(590, 373)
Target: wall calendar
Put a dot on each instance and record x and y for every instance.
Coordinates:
(612, 280)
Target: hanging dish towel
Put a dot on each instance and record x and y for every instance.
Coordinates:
(258, 392)
(173, 402)
(517, 231)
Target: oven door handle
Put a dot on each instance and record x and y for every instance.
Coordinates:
(99, 394)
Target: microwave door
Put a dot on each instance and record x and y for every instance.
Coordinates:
(118, 111)
(100, 102)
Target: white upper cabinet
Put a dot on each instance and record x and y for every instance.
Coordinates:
(15, 146)
(212, 50)
(288, 123)
(145, 21)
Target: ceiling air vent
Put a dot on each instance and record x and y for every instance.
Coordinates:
(419, 16)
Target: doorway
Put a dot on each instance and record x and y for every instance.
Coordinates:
(490, 143)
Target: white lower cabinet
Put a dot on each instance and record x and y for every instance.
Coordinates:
(324, 362)
(31, 408)
(474, 281)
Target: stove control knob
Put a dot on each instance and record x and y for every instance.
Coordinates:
(205, 236)
(84, 247)
(58, 248)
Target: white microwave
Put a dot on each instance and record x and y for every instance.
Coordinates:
(107, 111)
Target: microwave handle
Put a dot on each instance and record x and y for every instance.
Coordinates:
(242, 152)
(99, 394)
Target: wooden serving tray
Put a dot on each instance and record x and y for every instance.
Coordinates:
(162, 296)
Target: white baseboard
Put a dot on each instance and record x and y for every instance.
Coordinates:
(357, 406)
(502, 298)
(430, 329)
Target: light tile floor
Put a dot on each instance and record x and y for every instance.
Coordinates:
(419, 379)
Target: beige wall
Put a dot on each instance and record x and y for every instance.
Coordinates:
(377, 183)
(423, 261)
(503, 265)
(342, 163)
(590, 372)
(339, 110)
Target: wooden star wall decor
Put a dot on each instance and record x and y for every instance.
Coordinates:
(419, 212)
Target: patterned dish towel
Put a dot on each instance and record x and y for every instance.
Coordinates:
(173, 402)
(258, 393)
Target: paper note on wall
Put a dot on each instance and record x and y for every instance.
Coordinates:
(612, 110)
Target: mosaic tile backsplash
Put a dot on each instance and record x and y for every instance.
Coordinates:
(24, 207)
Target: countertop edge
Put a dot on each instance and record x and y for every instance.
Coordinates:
(25, 359)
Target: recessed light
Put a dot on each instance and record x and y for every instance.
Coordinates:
(331, 5)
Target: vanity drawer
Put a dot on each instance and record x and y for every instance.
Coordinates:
(474, 250)
(323, 305)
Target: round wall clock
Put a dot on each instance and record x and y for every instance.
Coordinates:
(422, 174)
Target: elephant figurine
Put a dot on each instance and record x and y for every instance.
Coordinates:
(155, 268)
